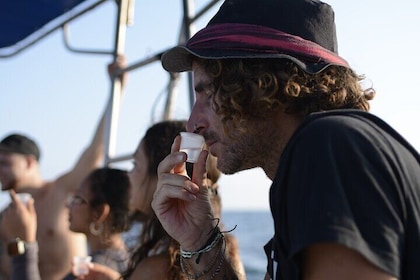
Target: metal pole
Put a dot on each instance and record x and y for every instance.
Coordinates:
(116, 86)
(172, 94)
(188, 29)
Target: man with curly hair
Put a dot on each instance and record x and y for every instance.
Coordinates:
(272, 92)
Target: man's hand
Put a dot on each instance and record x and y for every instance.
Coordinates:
(182, 204)
(19, 220)
(115, 66)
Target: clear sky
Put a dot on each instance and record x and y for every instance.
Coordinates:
(57, 97)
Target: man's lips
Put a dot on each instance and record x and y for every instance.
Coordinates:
(210, 143)
(211, 147)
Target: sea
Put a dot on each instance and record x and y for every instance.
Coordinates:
(253, 230)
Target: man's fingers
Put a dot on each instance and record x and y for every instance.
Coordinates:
(13, 196)
(171, 192)
(31, 206)
(174, 162)
(178, 181)
(170, 162)
(15, 201)
(176, 144)
(199, 171)
(165, 196)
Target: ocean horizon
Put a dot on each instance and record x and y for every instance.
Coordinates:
(254, 228)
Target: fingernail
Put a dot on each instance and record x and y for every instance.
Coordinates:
(194, 189)
(180, 157)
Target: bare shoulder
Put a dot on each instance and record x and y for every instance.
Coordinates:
(50, 205)
(52, 190)
(67, 182)
(335, 261)
(153, 267)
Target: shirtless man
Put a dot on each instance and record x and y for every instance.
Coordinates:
(20, 170)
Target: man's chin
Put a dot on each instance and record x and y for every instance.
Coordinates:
(226, 168)
(8, 185)
(5, 187)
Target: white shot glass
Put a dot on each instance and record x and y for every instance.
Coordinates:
(191, 144)
(24, 197)
(81, 265)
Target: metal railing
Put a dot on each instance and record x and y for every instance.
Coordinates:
(125, 14)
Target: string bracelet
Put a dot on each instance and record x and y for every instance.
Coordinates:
(210, 245)
(185, 267)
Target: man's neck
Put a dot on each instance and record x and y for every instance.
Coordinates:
(284, 126)
(31, 184)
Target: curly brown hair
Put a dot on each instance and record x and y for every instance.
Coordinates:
(245, 89)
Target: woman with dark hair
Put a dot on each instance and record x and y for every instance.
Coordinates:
(99, 209)
(158, 255)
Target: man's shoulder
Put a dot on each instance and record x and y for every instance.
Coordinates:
(340, 130)
(333, 123)
(346, 122)
(349, 129)
(51, 191)
(341, 118)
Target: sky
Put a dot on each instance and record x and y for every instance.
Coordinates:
(56, 96)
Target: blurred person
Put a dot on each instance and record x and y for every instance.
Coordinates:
(157, 255)
(20, 171)
(19, 222)
(98, 209)
(272, 92)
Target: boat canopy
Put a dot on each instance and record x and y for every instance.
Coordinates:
(26, 22)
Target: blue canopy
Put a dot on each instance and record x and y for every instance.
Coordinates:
(24, 22)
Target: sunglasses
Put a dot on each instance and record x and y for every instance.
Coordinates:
(76, 200)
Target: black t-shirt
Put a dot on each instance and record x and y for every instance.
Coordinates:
(347, 177)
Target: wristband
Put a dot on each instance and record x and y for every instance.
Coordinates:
(16, 247)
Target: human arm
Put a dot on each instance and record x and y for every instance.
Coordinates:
(93, 156)
(4, 258)
(183, 207)
(153, 267)
(100, 272)
(328, 261)
(19, 221)
(26, 266)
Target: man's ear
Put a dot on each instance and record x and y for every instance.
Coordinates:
(31, 161)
